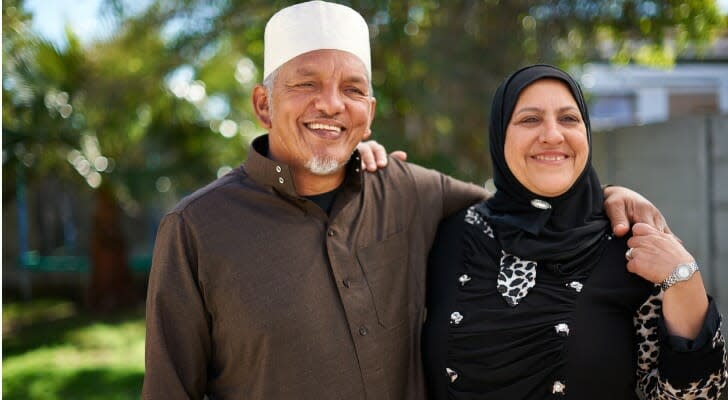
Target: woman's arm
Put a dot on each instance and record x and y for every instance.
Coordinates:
(680, 347)
(670, 367)
(654, 256)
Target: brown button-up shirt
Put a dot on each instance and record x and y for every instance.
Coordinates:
(257, 293)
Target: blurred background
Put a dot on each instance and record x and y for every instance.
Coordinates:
(113, 110)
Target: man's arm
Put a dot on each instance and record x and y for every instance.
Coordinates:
(178, 342)
(623, 206)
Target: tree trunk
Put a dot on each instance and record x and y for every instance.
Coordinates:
(111, 286)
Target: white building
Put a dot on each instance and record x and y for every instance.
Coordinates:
(635, 95)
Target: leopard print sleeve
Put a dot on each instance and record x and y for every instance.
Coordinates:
(649, 379)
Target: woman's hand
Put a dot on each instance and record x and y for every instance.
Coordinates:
(374, 155)
(653, 255)
(624, 207)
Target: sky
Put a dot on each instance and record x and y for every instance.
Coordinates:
(51, 17)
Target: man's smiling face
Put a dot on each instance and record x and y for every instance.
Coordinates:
(320, 108)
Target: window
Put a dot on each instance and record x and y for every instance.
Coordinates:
(609, 111)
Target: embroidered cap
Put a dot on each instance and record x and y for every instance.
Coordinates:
(314, 25)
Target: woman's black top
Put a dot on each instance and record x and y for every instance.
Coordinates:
(501, 327)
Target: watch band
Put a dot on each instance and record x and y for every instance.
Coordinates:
(681, 273)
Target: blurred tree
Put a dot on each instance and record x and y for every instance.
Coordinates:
(161, 107)
(121, 118)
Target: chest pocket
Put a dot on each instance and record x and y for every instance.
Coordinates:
(387, 271)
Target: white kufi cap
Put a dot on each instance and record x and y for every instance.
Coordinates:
(315, 25)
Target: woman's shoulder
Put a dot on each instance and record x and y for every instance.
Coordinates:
(466, 219)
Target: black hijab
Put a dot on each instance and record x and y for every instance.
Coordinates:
(562, 231)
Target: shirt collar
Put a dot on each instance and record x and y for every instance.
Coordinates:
(278, 175)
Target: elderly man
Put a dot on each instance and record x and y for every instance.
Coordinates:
(297, 275)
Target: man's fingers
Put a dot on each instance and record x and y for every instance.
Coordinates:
(646, 212)
(642, 228)
(380, 155)
(620, 224)
(617, 213)
(620, 229)
(399, 154)
(374, 155)
(661, 225)
(367, 156)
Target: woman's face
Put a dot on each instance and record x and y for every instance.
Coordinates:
(546, 146)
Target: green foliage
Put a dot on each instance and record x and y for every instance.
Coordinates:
(53, 351)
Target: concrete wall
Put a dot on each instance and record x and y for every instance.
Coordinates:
(682, 167)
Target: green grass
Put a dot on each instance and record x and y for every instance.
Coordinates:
(51, 350)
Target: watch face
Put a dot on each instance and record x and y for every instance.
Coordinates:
(683, 272)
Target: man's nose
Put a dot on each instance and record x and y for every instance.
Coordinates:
(330, 101)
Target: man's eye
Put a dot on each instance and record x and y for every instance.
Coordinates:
(355, 90)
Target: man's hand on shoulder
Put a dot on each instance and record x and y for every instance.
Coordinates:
(374, 155)
(625, 207)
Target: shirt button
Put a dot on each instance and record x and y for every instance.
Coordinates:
(558, 388)
(331, 232)
(278, 168)
(281, 180)
(363, 330)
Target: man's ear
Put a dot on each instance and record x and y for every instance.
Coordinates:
(372, 111)
(261, 105)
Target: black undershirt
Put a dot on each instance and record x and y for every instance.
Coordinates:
(325, 200)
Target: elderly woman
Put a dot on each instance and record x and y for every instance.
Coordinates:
(531, 296)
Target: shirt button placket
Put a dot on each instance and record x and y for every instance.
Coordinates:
(280, 178)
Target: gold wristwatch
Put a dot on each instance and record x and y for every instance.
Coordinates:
(681, 273)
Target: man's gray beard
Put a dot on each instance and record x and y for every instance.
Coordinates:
(322, 165)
